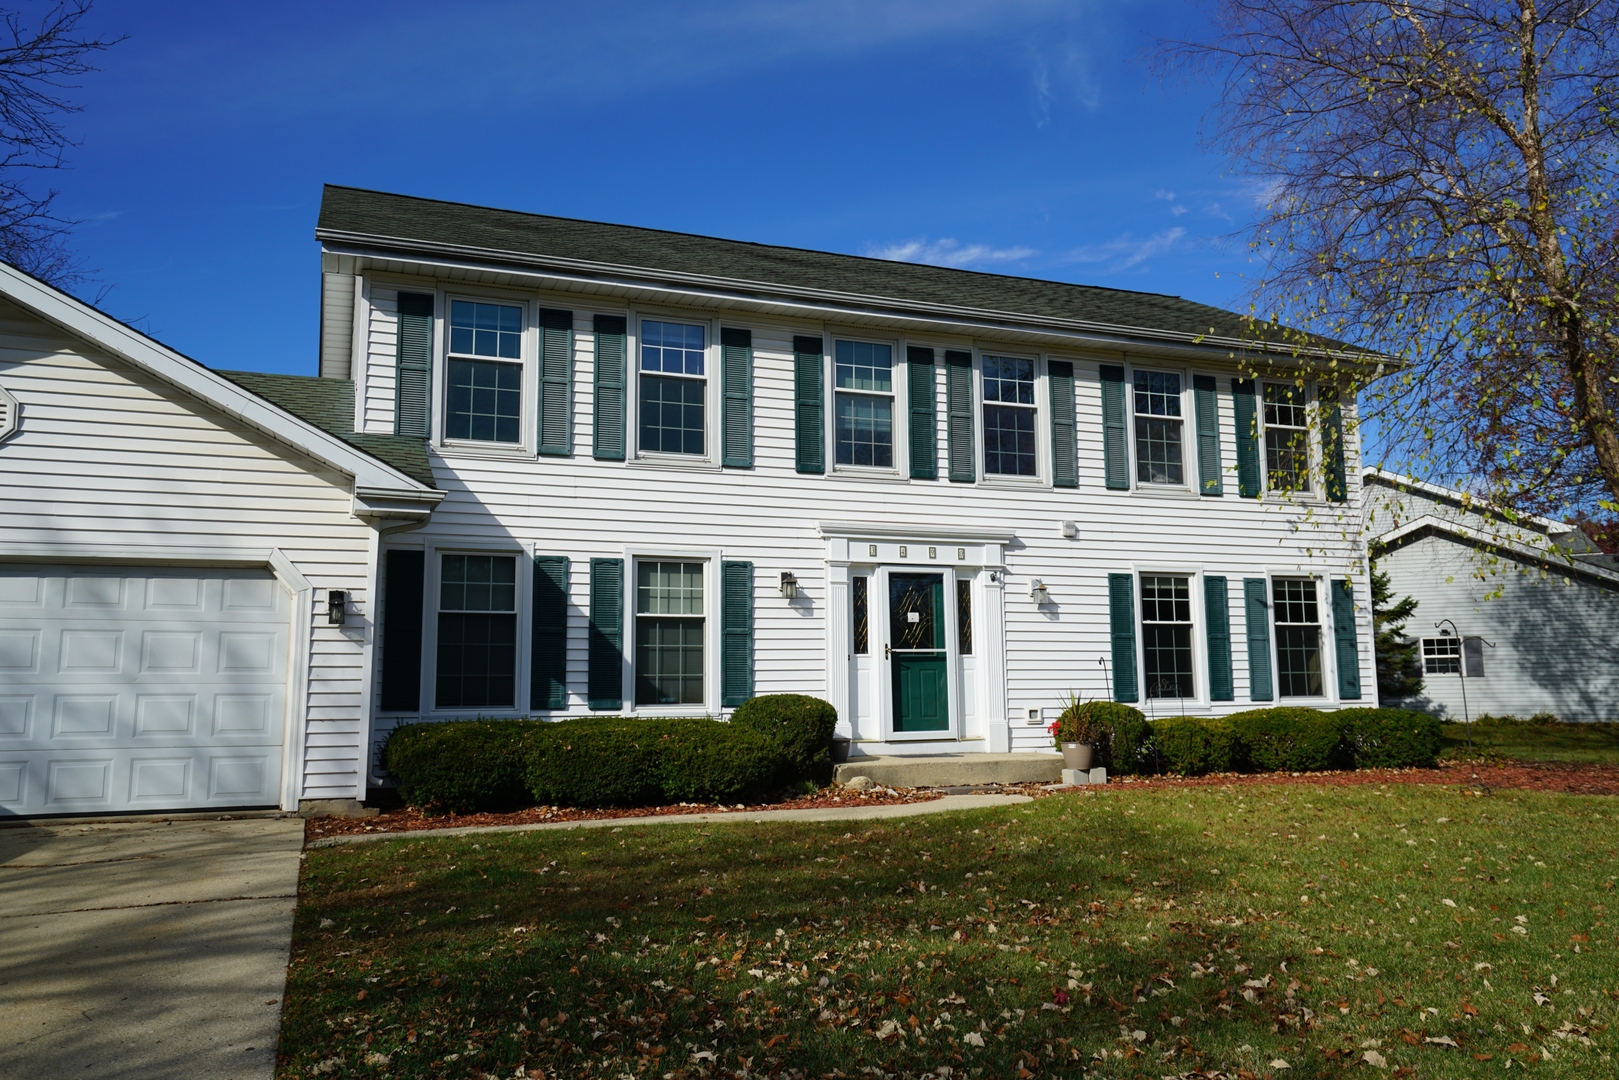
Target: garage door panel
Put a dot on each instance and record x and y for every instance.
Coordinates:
(145, 690)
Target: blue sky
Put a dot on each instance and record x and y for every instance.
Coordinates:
(1015, 136)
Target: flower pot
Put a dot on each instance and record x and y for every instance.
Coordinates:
(840, 750)
(1076, 755)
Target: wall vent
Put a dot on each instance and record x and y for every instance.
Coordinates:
(9, 410)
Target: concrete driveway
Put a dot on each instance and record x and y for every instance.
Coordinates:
(151, 949)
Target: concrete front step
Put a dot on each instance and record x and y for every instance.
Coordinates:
(953, 770)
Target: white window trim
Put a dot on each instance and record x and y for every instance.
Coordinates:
(1461, 660)
(1329, 640)
(526, 444)
(1200, 638)
(1316, 468)
(901, 469)
(1042, 421)
(432, 573)
(709, 459)
(711, 558)
(1188, 419)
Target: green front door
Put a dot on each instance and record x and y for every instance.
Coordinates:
(917, 652)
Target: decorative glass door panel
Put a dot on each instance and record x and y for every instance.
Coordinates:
(917, 654)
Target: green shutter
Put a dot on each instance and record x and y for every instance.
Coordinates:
(1115, 451)
(548, 650)
(606, 663)
(1216, 611)
(1246, 408)
(1064, 447)
(924, 414)
(736, 369)
(958, 386)
(402, 631)
(413, 371)
(1207, 407)
(1121, 602)
(1343, 632)
(556, 381)
(809, 408)
(1257, 617)
(1332, 444)
(736, 632)
(607, 429)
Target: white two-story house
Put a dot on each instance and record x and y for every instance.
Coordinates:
(558, 468)
(681, 471)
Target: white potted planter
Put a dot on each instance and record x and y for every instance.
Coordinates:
(1076, 755)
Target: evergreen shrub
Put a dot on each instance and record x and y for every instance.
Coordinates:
(1391, 738)
(623, 761)
(1194, 745)
(802, 726)
(460, 766)
(1118, 733)
(1289, 740)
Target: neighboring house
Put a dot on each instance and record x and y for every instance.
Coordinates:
(1532, 604)
(559, 468)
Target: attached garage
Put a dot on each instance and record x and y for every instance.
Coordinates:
(140, 689)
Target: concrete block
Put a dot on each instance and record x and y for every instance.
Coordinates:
(335, 808)
(952, 770)
(1098, 776)
(1075, 777)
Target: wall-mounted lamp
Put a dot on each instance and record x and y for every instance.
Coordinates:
(337, 602)
(1038, 593)
(789, 585)
(1070, 531)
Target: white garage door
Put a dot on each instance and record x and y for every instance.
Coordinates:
(140, 689)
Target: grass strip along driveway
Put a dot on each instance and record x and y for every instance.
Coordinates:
(1288, 931)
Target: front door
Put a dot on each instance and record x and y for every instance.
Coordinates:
(916, 653)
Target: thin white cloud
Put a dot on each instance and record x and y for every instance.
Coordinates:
(948, 252)
(1167, 196)
(1126, 252)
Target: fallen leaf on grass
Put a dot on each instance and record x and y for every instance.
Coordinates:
(1374, 1059)
(1280, 1063)
(1440, 1040)
(972, 1038)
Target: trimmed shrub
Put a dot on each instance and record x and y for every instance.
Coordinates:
(460, 766)
(1118, 732)
(1289, 739)
(622, 761)
(1194, 745)
(1391, 738)
(800, 725)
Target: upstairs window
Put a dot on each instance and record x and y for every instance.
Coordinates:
(864, 404)
(1166, 635)
(1287, 438)
(668, 633)
(673, 388)
(477, 632)
(1298, 638)
(1009, 417)
(1158, 428)
(484, 376)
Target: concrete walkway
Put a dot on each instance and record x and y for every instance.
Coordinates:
(145, 950)
(827, 813)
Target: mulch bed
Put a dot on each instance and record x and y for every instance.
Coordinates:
(1565, 777)
(1570, 778)
(409, 819)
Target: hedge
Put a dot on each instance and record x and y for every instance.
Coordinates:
(621, 761)
(1391, 738)
(1194, 745)
(1289, 739)
(461, 766)
(800, 725)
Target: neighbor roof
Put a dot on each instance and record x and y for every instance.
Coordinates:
(355, 215)
(329, 405)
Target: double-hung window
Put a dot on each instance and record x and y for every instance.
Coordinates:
(669, 632)
(865, 404)
(1166, 635)
(1287, 437)
(673, 388)
(1298, 638)
(1009, 417)
(484, 373)
(477, 632)
(1158, 428)
(1442, 656)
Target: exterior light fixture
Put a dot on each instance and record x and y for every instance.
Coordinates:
(1070, 531)
(1038, 593)
(789, 585)
(337, 602)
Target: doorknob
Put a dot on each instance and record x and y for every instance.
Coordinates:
(887, 652)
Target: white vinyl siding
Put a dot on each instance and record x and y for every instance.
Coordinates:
(112, 457)
(375, 390)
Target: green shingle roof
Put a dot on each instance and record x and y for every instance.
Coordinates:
(329, 405)
(358, 215)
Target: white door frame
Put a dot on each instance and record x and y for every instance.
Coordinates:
(880, 618)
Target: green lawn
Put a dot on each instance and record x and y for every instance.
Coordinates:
(1595, 743)
(1141, 933)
